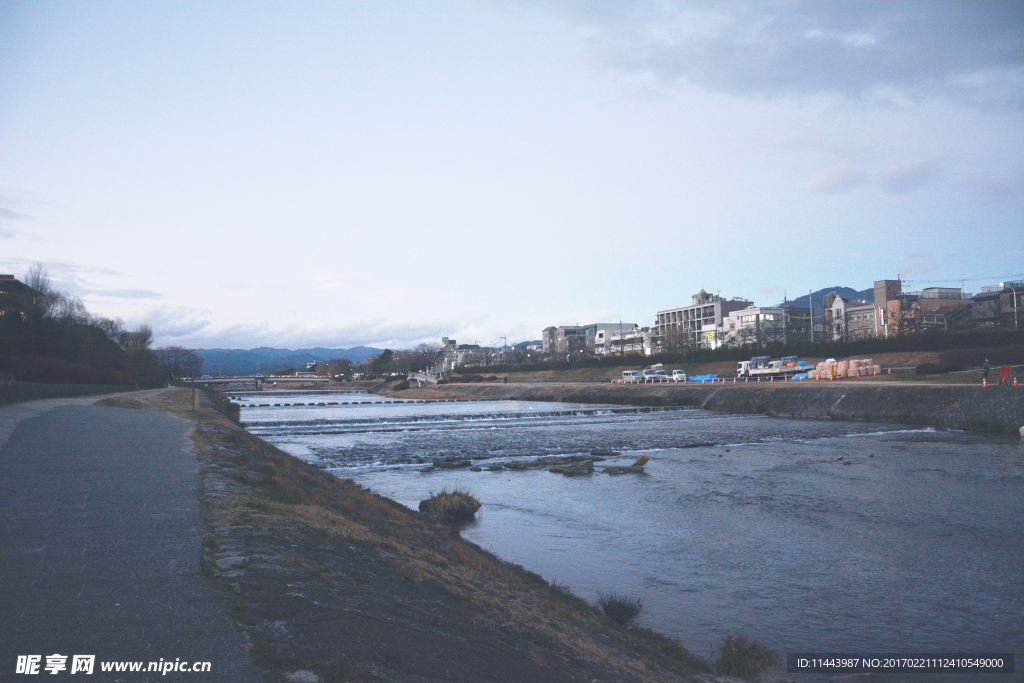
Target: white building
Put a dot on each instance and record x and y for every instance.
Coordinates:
(610, 338)
(756, 325)
(698, 323)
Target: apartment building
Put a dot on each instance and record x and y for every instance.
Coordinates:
(754, 326)
(697, 324)
(564, 339)
(611, 338)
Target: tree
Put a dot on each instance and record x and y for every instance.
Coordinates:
(381, 361)
(339, 367)
(137, 340)
(903, 316)
(178, 361)
(427, 356)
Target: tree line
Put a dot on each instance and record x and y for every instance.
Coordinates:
(51, 337)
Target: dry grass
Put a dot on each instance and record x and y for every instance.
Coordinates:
(454, 506)
(619, 608)
(642, 460)
(744, 657)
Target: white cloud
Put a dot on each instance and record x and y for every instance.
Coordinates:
(837, 180)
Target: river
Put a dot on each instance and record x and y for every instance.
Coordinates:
(812, 536)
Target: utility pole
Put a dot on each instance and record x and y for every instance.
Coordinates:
(1013, 289)
(810, 301)
(193, 391)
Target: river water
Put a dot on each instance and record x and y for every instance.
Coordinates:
(811, 536)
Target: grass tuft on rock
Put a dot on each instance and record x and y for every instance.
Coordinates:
(456, 505)
(743, 657)
(642, 460)
(621, 609)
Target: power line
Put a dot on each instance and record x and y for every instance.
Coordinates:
(965, 279)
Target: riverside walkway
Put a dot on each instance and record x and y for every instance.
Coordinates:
(100, 542)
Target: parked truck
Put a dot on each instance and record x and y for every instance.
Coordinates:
(766, 368)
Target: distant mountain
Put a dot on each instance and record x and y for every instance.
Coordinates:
(246, 361)
(801, 302)
(524, 344)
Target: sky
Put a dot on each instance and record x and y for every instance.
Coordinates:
(384, 173)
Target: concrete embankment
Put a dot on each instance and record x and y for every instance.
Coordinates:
(995, 409)
(16, 392)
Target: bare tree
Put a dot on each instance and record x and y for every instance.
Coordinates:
(178, 361)
(136, 340)
(112, 327)
(427, 356)
(38, 279)
(902, 316)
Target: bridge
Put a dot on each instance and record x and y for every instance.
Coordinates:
(259, 380)
(418, 379)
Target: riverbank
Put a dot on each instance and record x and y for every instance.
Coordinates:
(995, 409)
(327, 578)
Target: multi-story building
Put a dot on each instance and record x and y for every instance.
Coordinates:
(902, 312)
(455, 355)
(755, 326)
(638, 340)
(16, 298)
(611, 338)
(564, 339)
(696, 324)
(998, 306)
(851, 318)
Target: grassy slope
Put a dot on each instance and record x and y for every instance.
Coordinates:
(328, 577)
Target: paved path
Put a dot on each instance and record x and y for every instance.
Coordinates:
(100, 539)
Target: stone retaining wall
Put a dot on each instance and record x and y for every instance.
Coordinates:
(995, 409)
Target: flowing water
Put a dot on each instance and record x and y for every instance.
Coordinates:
(812, 536)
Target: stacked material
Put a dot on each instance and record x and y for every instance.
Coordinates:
(831, 368)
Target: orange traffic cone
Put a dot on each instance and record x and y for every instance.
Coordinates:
(746, 380)
(984, 384)
(1015, 382)
(758, 380)
(771, 379)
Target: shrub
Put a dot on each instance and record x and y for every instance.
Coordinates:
(621, 609)
(456, 505)
(743, 657)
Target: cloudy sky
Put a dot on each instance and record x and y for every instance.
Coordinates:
(297, 174)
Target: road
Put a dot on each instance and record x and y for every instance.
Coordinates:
(100, 540)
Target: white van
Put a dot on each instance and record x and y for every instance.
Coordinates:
(679, 375)
(630, 376)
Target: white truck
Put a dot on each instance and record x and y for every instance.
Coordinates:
(766, 368)
(630, 377)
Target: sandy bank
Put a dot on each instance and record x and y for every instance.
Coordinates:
(995, 409)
